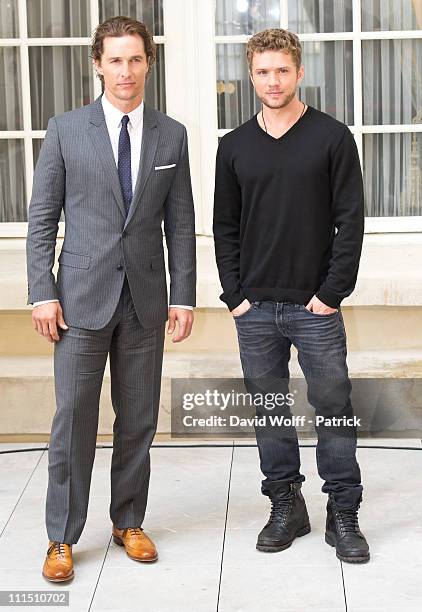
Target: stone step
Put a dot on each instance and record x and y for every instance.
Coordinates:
(369, 328)
(27, 384)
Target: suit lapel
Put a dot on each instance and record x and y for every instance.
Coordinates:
(99, 135)
(150, 134)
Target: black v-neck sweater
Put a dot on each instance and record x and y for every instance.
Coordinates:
(288, 212)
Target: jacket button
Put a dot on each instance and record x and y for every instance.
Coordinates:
(120, 267)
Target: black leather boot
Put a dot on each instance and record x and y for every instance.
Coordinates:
(288, 519)
(342, 531)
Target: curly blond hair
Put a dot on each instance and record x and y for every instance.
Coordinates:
(275, 39)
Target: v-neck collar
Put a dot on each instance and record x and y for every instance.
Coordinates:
(291, 128)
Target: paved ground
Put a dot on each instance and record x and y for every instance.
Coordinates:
(204, 513)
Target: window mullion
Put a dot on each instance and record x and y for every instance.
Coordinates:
(189, 29)
(207, 109)
(357, 78)
(284, 14)
(95, 19)
(26, 98)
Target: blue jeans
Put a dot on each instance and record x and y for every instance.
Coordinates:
(266, 332)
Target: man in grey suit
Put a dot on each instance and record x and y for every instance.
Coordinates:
(117, 169)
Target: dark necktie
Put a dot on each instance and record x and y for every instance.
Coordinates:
(124, 164)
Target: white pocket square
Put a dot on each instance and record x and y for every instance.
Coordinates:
(164, 167)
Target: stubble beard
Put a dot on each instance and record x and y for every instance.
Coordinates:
(281, 104)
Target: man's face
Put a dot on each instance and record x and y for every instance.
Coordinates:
(275, 78)
(124, 67)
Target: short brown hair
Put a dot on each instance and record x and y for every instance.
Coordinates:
(122, 26)
(275, 39)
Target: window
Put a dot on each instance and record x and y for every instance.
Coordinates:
(45, 70)
(363, 65)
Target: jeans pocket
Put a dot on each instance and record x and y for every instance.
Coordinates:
(254, 306)
(237, 317)
(320, 316)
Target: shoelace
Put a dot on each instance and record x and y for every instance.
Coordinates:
(348, 518)
(57, 548)
(135, 530)
(281, 506)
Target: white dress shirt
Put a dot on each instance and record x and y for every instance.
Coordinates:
(113, 118)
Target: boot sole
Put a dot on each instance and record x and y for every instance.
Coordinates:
(119, 542)
(72, 575)
(364, 559)
(265, 548)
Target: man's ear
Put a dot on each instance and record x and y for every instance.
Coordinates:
(97, 67)
(300, 74)
(251, 77)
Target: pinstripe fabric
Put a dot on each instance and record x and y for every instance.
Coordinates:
(111, 284)
(76, 170)
(79, 361)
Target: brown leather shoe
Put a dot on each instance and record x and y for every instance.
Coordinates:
(138, 545)
(58, 564)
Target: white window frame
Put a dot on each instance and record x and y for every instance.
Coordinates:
(372, 224)
(23, 42)
(190, 72)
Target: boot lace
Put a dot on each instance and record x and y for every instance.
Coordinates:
(280, 508)
(348, 519)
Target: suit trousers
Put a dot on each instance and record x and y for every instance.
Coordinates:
(80, 357)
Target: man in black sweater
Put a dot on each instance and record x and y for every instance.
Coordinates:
(288, 229)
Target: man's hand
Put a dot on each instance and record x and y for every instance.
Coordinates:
(184, 317)
(316, 306)
(242, 308)
(45, 319)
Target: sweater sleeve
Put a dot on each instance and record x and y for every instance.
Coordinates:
(226, 227)
(347, 207)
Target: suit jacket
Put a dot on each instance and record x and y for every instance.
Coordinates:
(76, 172)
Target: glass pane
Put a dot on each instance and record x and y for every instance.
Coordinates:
(392, 165)
(392, 87)
(236, 100)
(12, 181)
(10, 89)
(328, 82)
(58, 18)
(391, 15)
(9, 26)
(150, 12)
(320, 16)
(155, 88)
(246, 16)
(61, 79)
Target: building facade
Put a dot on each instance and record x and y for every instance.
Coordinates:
(363, 65)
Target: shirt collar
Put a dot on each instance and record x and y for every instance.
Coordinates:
(114, 116)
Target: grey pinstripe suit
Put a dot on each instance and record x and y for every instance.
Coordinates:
(112, 287)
